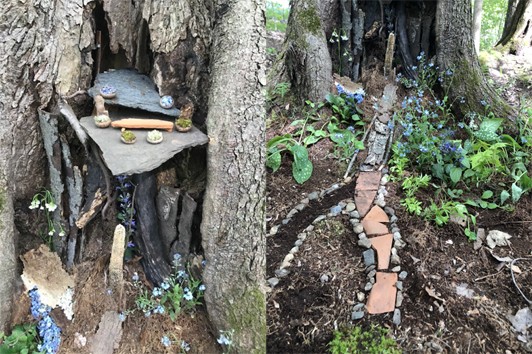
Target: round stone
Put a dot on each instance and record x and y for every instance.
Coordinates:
(273, 281)
(313, 195)
(298, 243)
(366, 243)
(166, 102)
(403, 275)
(294, 250)
(358, 229)
(285, 221)
(354, 214)
(393, 218)
(302, 236)
(281, 273)
(309, 228)
(350, 207)
(357, 315)
(361, 296)
(368, 286)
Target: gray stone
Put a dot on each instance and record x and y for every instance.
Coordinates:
(397, 317)
(399, 244)
(294, 249)
(285, 221)
(369, 257)
(396, 235)
(403, 275)
(332, 188)
(287, 259)
(358, 228)
(324, 278)
(390, 211)
(300, 206)
(335, 210)
(128, 159)
(342, 204)
(385, 179)
(354, 214)
(383, 191)
(399, 299)
(377, 149)
(393, 219)
(298, 243)
(292, 213)
(380, 200)
(371, 274)
(360, 306)
(350, 207)
(354, 222)
(399, 285)
(370, 268)
(319, 218)
(385, 171)
(313, 195)
(362, 236)
(357, 315)
(273, 282)
(305, 201)
(309, 228)
(396, 269)
(302, 236)
(281, 273)
(274, 230)
(361, 296)
(372, 280)
(394, 259)
(368, 286)
(365, 242)
(133, 90)
(393, 251)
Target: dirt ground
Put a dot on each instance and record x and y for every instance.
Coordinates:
(303, 310)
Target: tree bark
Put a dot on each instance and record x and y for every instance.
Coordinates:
(233, 227)
(477, 23)
(306, 59)
(517, 32)
(455, 52)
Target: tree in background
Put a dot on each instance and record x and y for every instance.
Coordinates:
(517, 33)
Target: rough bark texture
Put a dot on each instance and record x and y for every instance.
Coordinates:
(233, 227)
(517, 32)
(455, 51)
(306, 58)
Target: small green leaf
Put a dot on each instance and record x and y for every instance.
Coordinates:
(471, 202)
(504, 196)
(274, 161)
(487, 194)
(516, 192)
(455, 174)
(468, 173)
(526, 182)
(492, 206)
(483, 204)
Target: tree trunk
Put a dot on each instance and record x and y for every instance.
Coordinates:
(233, 227)
(517, 32)
(477, 23)
(306, 60)
(455, 52)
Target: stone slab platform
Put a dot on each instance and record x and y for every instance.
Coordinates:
(128, 159)
(133, 90)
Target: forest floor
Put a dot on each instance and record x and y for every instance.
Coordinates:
(457, 299)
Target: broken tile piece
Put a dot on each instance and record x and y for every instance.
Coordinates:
(377, 214)
(373, 228)
(368, 181)
(381, 299)
(364, 200)
(383, 246)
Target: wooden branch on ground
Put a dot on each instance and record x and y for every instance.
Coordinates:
(67, 112)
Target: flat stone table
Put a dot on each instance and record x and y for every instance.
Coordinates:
(133, 90)
(129, 159)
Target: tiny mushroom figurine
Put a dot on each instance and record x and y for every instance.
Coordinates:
(154, 137)
(127, 136)
(166, 102)
(108, 91)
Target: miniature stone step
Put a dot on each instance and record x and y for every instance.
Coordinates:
(374, 228)
(383, 246)
(368, 181)
(364, 200)
(377, 214)
(381, 299)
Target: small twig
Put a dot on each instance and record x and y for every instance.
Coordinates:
(77, 93)
(489, 275)
(513, 276)
(356, 153)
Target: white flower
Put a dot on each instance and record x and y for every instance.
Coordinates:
(344, 38)
(35, 203)
(50, 206)
(62, 233)
(51, 232)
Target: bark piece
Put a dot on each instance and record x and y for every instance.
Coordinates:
(107, 339)
(117, 258)
(364, 201)
(167, 207)
(382, 245)
(185, 225)
(136, 123)
(133, 90)
(377, 214)
(381, 299)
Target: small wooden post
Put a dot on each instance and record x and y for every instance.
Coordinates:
(388, 60)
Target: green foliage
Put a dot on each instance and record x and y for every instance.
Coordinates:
(276, 17)
(357, 341)
(466, 159)
(492, 22)
(340, 39)
(45, 202)
(22, 340)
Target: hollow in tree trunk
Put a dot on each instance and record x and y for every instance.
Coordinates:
(517, 33)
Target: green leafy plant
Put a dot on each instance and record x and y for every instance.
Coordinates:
(376, 340)
(276, 16)
(44, 201)
(22, 340)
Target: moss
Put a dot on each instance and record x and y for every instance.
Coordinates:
(309, 20)
(128, 135)
(242, 317)
(183, 122)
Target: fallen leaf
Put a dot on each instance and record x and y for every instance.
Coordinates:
(516, 269)
(432, 293)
